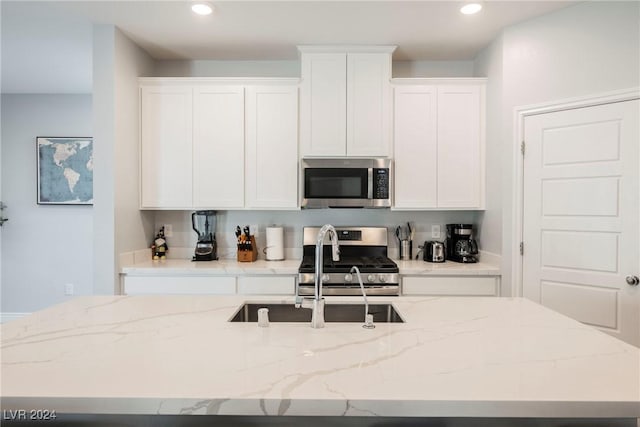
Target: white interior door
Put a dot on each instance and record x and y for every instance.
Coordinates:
(581, 198)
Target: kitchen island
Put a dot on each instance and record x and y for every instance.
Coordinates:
(453, 357)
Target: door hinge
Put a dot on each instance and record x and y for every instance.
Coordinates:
(522, 148)
(521, 248)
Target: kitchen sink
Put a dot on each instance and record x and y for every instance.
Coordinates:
(382, 313)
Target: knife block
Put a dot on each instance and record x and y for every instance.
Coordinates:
(249, 255)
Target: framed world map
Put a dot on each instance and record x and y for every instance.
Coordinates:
(65, 170)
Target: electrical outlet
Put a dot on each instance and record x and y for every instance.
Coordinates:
(435, 231)
(68, 289)
(168, 230)
(254, 230)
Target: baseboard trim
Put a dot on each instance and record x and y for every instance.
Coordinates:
(8, 317)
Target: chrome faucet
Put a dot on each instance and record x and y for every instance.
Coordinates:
(316, 304)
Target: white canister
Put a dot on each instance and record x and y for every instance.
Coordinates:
(275, 244)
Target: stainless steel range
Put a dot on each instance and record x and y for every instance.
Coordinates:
(364, 247)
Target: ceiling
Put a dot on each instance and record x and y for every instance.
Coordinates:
(51, 36)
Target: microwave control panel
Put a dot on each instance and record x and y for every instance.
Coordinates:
(381, 183)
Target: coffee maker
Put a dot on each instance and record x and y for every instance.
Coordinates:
(460, 245)
(204, 224)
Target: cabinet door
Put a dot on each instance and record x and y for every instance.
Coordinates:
(460, 161)
(218, 140)
(272, 285)
(368, 104)
(181, 285)
(272, 147)
(166, 146)
(451, 285)
(323, 104)
(415, 147)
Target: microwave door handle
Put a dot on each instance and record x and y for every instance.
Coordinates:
(370, 183)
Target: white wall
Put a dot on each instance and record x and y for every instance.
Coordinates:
(119, 225)
(589, 48)
(212, 68)
(433, 68)
(43, 246)
(293, 221)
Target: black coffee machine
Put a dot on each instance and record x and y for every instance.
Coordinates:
(460, 244)
(204, 224)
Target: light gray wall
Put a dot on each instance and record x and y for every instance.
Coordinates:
(119, 225)
(212, 68)
(586, 49)
(433, 68)
(133, 228)
(43, 246)
(293, 221)
(489, 63)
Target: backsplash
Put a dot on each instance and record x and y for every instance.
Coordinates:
(183, 241)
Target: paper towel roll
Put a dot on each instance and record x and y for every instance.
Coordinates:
(275, 244)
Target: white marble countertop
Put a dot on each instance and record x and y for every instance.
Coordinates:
(483, 357)
(184, 267)
(223, 267)
(447, 268)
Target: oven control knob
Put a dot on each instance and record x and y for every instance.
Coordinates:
(348, 277)
(371, 278)
(382, 278)
(325, 278)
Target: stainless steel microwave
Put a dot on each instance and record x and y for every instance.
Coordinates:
(346, 183)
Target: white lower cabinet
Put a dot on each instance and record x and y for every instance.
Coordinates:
(451, 285)
(209, 285)
(268, 285)
(172, 285)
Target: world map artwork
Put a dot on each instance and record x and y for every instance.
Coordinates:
(65, 170)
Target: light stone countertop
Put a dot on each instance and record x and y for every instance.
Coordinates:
(223, 267)
(184, 267)
(464, 357)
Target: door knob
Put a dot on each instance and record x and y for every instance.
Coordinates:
(632, 280)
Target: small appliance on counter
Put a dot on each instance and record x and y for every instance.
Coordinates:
(433, 251)
(460, 244)
(204, 224)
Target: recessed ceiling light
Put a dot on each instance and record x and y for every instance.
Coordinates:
(202, 8)
(471, 8)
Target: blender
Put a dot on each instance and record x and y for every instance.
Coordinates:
(204, 224)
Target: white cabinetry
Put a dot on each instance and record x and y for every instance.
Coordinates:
(439, 143)
(272, 147)
(345, 100)
(166, 148)
(198, 151)
(209, 285)
(267, 285)
(218, 147)
(164, 285)
(451, 285)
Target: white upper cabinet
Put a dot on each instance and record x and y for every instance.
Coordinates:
(439, 143)
(271, 169)
(219, 143)
(460, 146)
(166, 146)
(323, 104)
(415, 147)
(368, 104)
(218, 147)
(345, 101)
